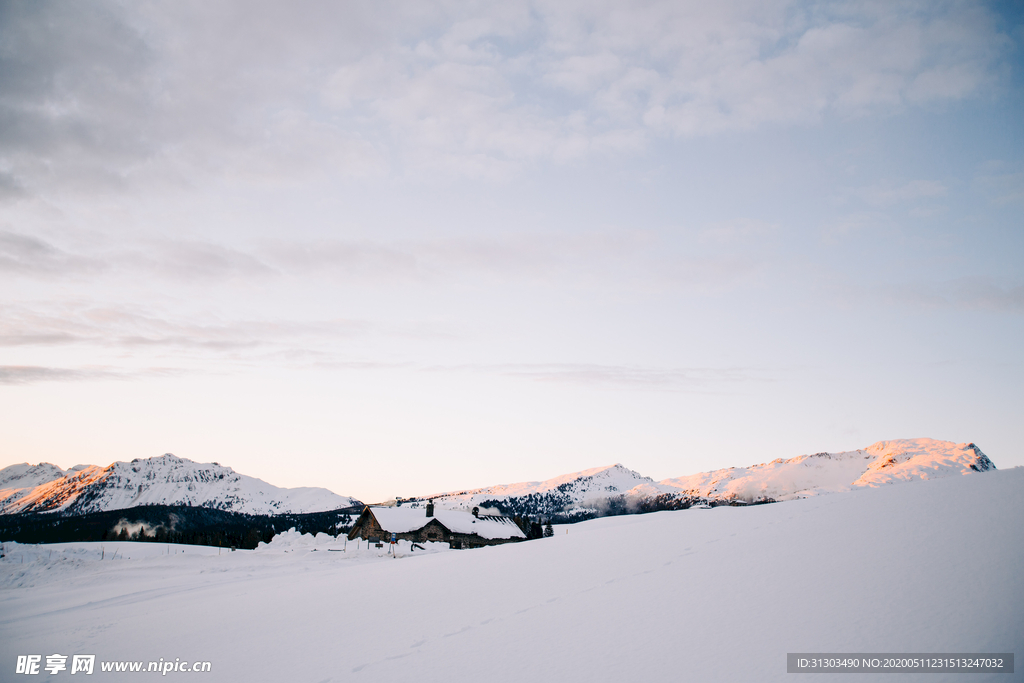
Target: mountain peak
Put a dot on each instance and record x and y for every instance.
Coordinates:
(25, 475)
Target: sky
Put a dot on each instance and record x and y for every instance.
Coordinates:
(394, 249)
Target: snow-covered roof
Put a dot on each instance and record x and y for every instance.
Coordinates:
(402, 520)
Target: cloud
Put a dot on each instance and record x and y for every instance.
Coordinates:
(524, 255)
(111, 95)
(597, 259)
(25, 254)
(191, 261)
(632, 376)
(973, 294)
(73, 90)
(129, 328)
(32, 374)
(593, 260)
(739, 231)
(845, 225)
(1002, 182)
(889, 194)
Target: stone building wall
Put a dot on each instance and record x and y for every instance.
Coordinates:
(367, 527)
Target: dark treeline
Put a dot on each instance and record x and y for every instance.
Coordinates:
(532, 528)
(557, 508)
(170, 524)
(206, 526)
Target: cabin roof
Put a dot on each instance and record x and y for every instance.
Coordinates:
(402, 520)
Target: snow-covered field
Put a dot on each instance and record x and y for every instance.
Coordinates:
(718, 594)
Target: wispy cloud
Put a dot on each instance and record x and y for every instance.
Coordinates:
(889, 194)
(594, 259)
(32, 374)
(190, 261)
(1002, 182)
(621, 376)
(978, 294)
(632, 255)
(25, 254)
(123, 328)
(524, 255)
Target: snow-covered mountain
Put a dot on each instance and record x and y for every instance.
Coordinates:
(580, 493)
(24, 476)
(164, 480)
(169, 480)
(885, 462)
(616, 489)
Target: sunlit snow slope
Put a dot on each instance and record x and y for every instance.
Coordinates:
(716, 594)
(164, 480)
(885, 462)
(600, 490)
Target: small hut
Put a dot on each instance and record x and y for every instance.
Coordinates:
(426, 525)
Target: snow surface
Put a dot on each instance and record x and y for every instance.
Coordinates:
(402, 520)
(163, 480)
(719, 594)
(27, 565)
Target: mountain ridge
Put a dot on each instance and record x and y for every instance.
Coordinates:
(606, 490)
(161, 480)
(594, 492)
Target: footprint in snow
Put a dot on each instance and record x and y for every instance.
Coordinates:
(462, 630)
(418, 643)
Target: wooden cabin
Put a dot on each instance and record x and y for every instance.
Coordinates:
(426, 525)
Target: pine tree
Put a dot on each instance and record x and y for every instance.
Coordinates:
(548, 530)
